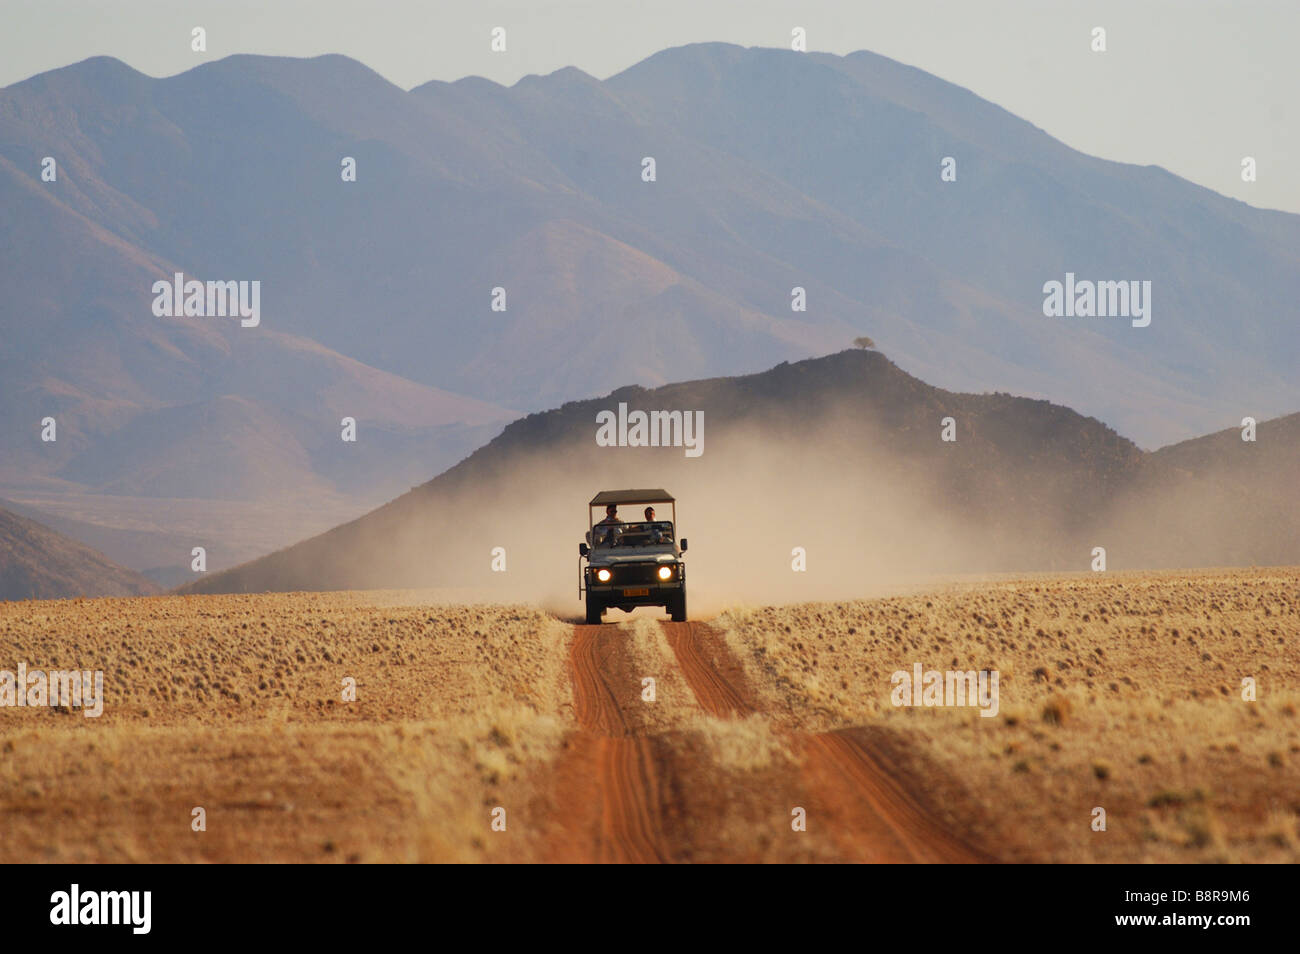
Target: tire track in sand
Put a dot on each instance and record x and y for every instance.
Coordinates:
(875, 814)
(627, 768)
(713, 675)
(870, 813)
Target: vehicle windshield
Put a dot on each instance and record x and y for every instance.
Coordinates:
(632, 534)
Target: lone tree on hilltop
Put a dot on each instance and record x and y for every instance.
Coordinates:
(863, 342)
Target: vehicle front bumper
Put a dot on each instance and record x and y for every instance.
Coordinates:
(636, 592)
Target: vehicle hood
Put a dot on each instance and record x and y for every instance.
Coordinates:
(664, 554)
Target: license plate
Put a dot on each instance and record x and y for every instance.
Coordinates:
(643, 591)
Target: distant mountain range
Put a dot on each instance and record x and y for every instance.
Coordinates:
(842, 456)
(38, 564)
(773, 170)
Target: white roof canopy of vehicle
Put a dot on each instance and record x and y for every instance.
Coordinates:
(621, 497)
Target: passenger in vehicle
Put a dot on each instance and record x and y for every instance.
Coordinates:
(656, 535)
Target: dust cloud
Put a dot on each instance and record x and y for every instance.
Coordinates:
(864, 510)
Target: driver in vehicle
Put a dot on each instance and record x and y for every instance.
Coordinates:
(607, 530)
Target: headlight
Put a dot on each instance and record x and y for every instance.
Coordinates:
(665, 573)
(603, 575)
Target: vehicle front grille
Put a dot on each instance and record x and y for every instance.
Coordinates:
(635, 573)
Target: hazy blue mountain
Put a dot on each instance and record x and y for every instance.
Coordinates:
(187, 407)
(774, 169)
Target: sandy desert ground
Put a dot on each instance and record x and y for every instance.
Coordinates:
(1121, 691)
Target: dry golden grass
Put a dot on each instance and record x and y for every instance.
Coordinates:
(1119, 691)
(235, 704)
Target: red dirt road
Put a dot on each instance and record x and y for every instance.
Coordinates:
(625, 769)
(713, 675)
(875, 814)
(636, 795)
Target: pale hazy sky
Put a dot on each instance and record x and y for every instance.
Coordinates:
(1191, 85)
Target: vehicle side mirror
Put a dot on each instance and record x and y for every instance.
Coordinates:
(582, 549)
(683, 544)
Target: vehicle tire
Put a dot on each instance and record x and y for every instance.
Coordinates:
(594, 611)
(677, 608)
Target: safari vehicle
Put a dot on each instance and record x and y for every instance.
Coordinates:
(638, 563)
